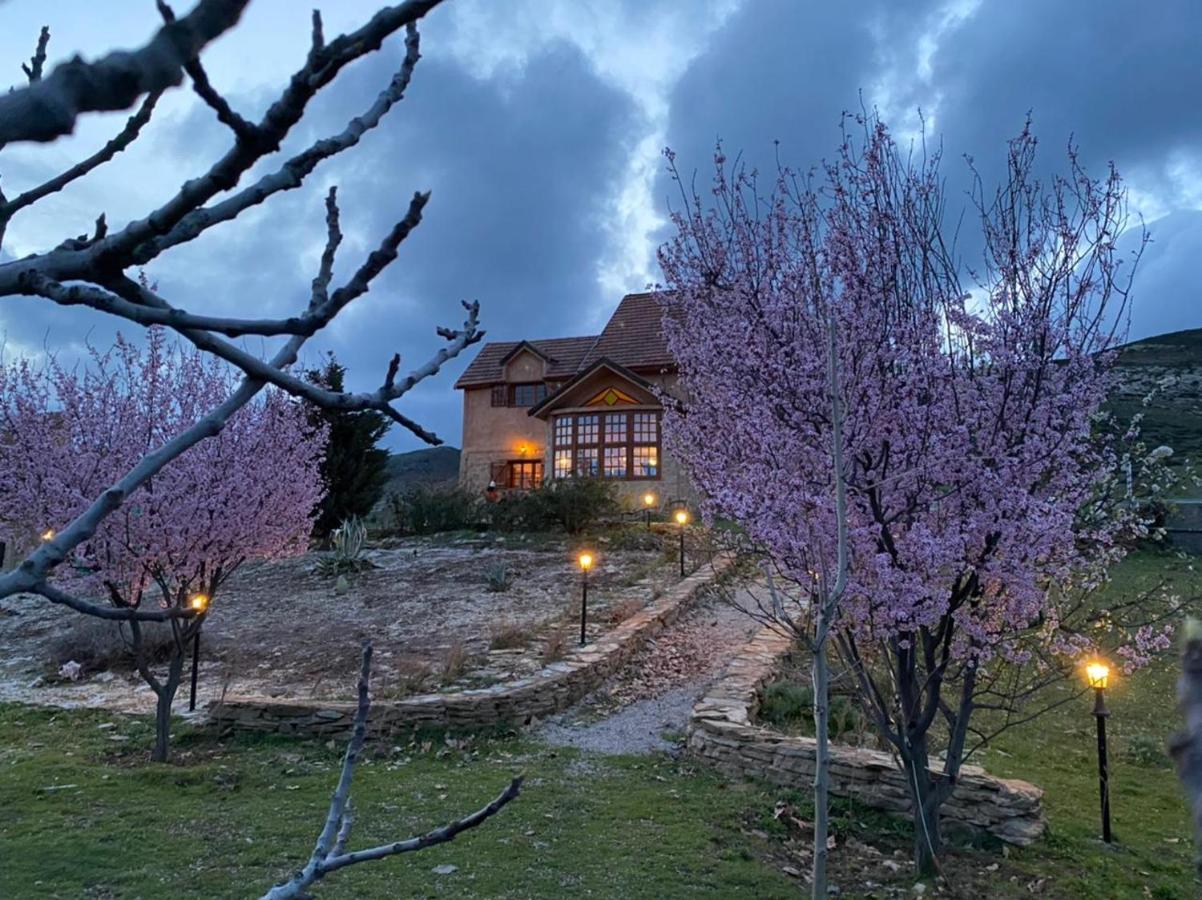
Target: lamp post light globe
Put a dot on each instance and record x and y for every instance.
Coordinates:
(48, 534)
(199, 602)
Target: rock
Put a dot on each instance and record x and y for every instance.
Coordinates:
(445, 869)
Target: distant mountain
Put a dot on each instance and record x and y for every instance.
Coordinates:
(437, 466)
(1171, 366)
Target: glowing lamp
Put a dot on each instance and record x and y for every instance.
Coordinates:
(682, 517)
(648, 499)
(48, 534)
(199, 602)
(1098, 674)
(586, 561)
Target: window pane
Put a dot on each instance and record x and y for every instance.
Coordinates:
(586, 462)
(615, 462)
(563, 463)
(526, 394)
(563, 431)
(587, 429)
(646, 428)
(646, 462)
(616, 428)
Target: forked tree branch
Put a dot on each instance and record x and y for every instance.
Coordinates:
(329, 853)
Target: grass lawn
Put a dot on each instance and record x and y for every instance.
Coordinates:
(85, 816)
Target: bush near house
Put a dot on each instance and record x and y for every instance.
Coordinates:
(427, 510)
(569, 504)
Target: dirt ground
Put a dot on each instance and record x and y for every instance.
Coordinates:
(281, 629)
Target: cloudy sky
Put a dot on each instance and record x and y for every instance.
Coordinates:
(539, 126)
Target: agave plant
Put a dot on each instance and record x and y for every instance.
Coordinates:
(348, 541)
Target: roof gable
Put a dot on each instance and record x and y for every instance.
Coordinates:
(604, 384)
(632, 338)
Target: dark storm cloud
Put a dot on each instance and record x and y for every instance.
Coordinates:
(1120, 79)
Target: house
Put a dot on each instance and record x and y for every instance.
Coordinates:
(577, 406)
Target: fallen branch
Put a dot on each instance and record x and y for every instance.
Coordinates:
(329, 853)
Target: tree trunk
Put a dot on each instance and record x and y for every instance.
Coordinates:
(926, 798)
(821, 679)
(162, 710)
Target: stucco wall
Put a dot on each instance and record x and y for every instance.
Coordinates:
(494, 434)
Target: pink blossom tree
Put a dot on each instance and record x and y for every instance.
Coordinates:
(248, 492)
(980, 491)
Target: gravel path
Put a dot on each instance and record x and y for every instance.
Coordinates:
(645, 708)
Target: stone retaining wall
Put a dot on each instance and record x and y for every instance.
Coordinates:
(551, 690)
(722, 731)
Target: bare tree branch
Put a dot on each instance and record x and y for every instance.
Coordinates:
(33, 71)
(329, 851)
(48, 108)
(124, 138)
(204, 89)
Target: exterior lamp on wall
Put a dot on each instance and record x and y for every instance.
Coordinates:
(199, 603)
(1097, 674)
(682, 519)
(648, 504)
(586, 562)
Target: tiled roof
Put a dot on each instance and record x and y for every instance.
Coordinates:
(565, 356)
(633, 338)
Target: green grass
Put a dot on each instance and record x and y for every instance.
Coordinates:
(229, 818)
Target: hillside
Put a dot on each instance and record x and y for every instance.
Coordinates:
(428, 466)
(1171, 365)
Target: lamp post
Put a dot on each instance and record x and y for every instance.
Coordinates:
(1098, 675)
(682, 519)
(648, 502)
(200, 603)
(586, 563)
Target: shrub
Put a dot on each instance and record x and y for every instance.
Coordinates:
(570, 504)
(787, 704)
(100, 645)
(1146, 750)
(498, 578)
(508, 635)
(429, 510)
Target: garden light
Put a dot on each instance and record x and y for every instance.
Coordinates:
(199, 603)
(1097, 673)
(682, 519)
(48, 534)
(586, 562)
(648, 502)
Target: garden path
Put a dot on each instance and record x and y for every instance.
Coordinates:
(646, 706)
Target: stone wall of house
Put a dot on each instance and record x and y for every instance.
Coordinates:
(723, 731)
(519, 702)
